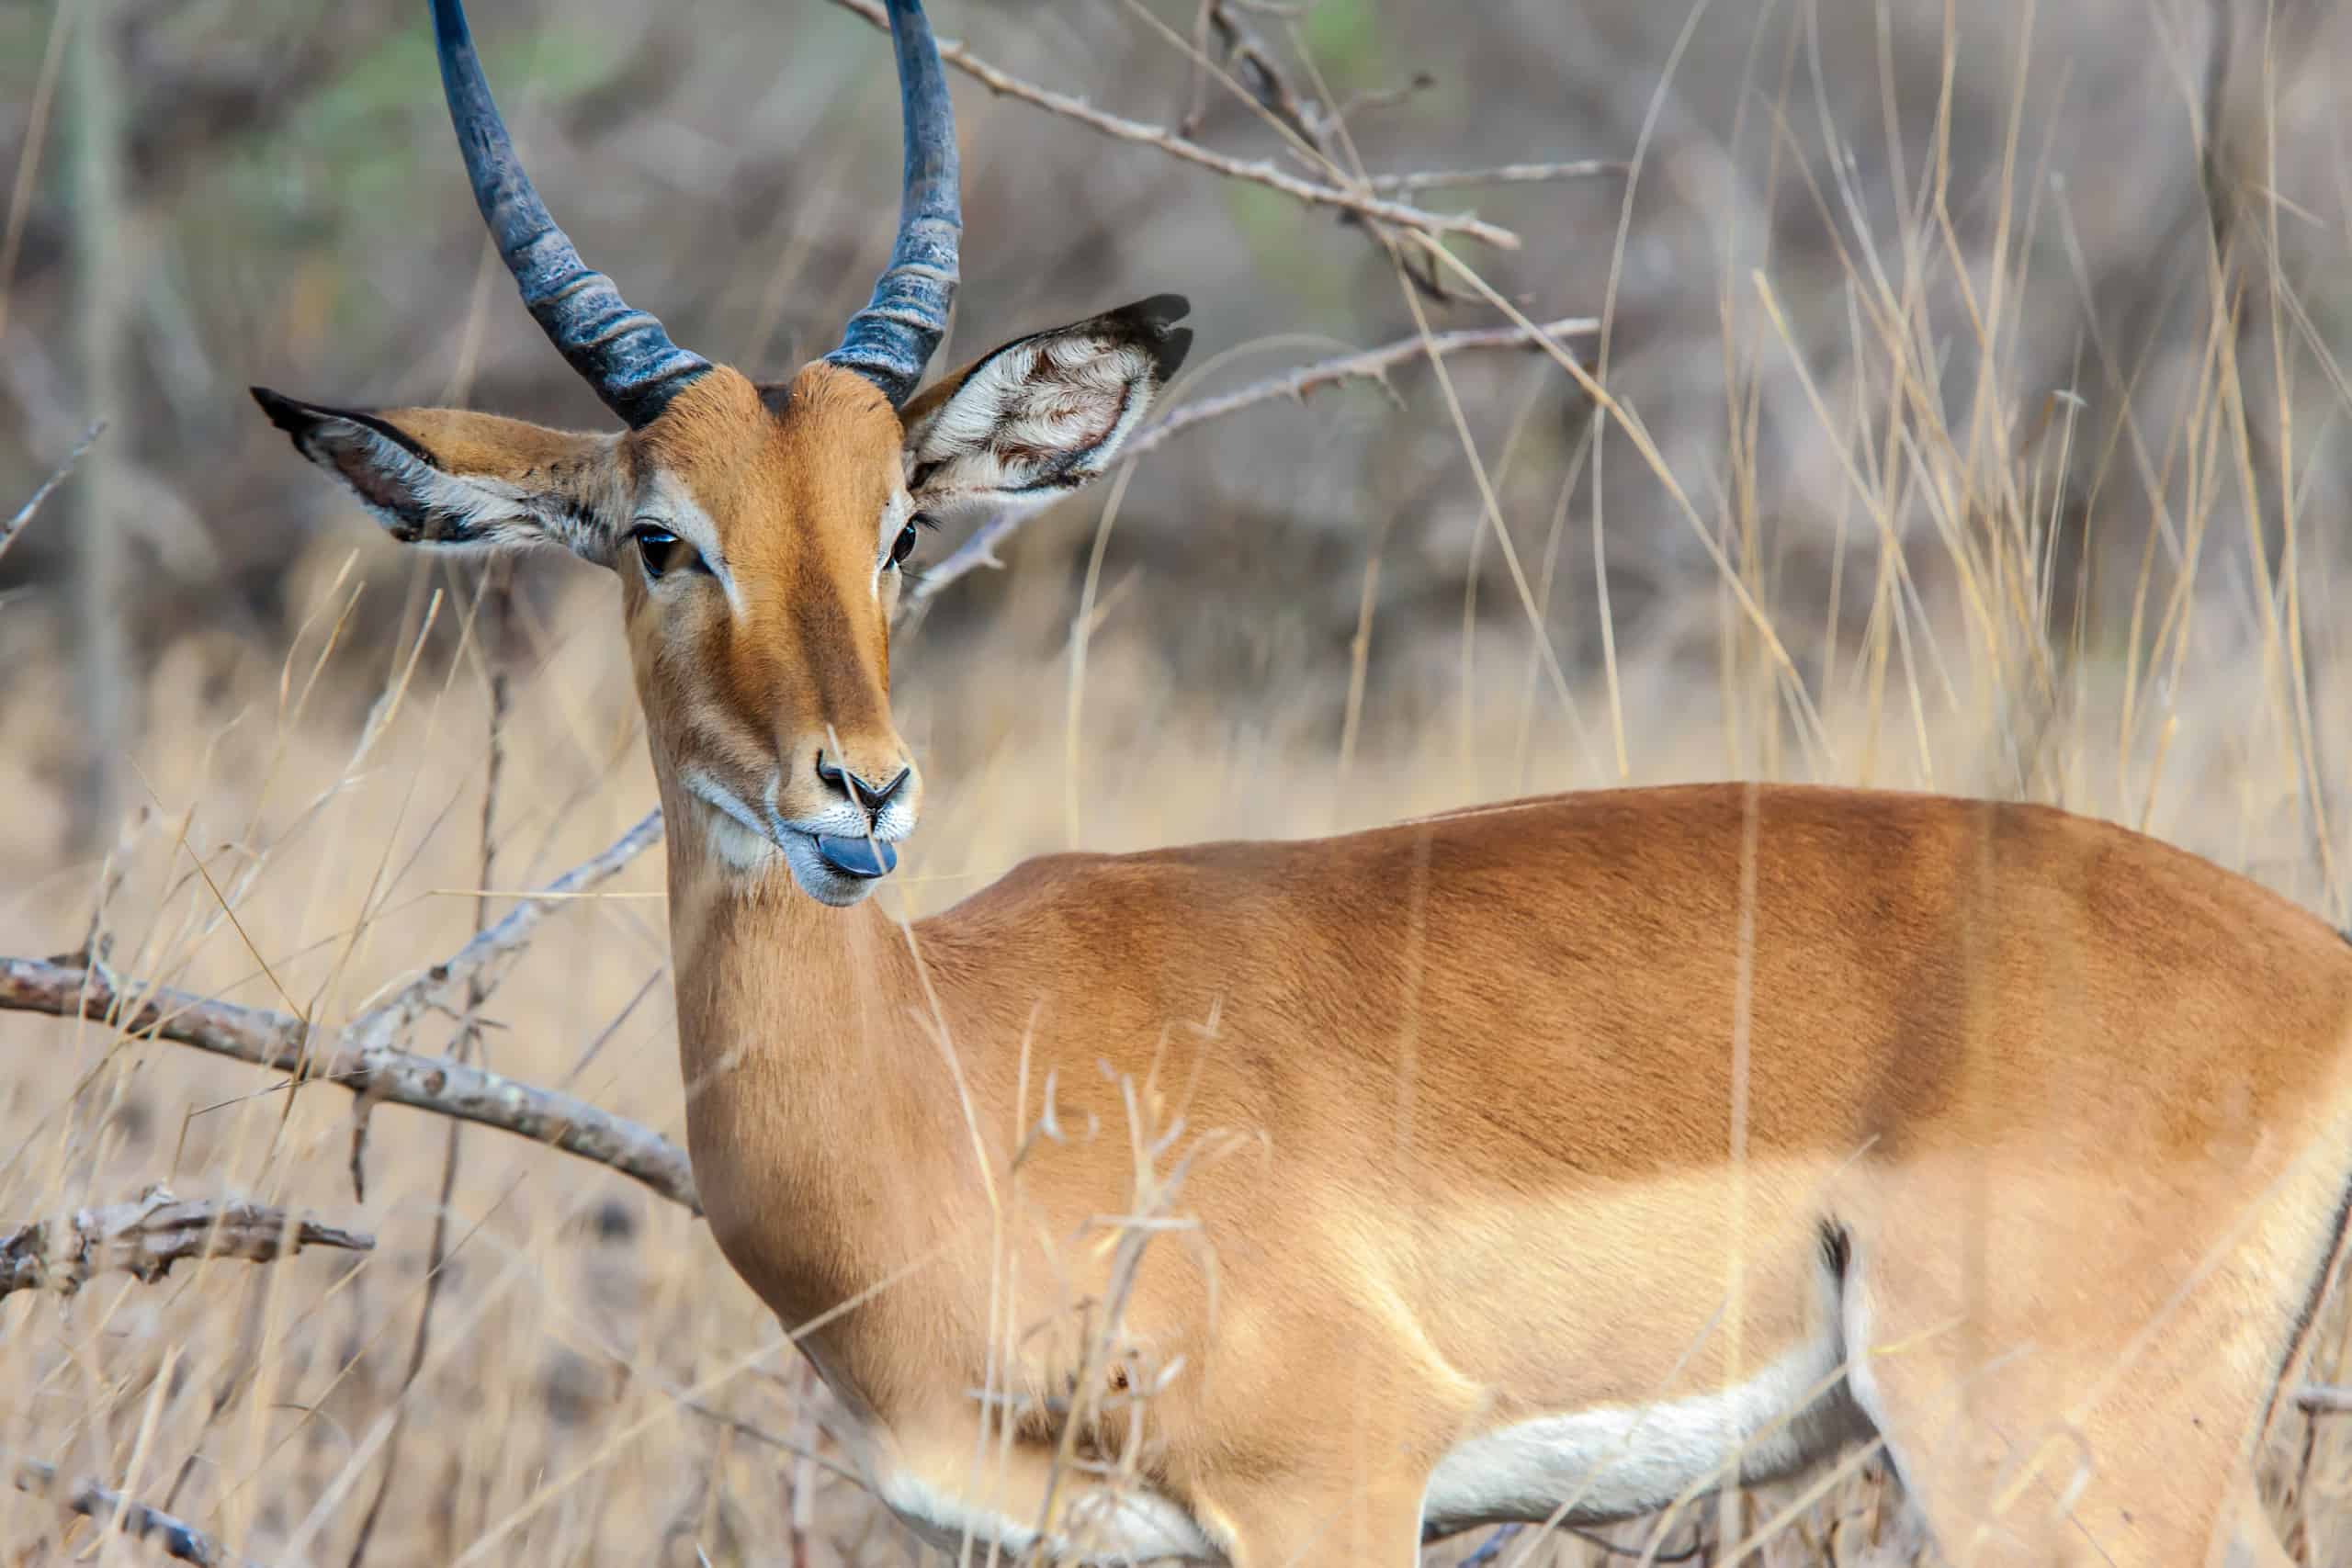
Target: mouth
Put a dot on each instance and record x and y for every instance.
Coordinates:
(832, 868)
(867, 859)
(835, 868)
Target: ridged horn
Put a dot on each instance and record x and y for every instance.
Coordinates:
(624, 353)
(892, 340)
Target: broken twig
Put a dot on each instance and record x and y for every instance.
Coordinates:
(179, 1539)
(146, 1237)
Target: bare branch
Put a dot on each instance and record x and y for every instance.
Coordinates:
(24, 514)
(274, 1039)
(362, 1058)
(179, 1539)
(2324, 1399)
(379, 1026)
(1372, 364)
(1169, 141)
(1500, 175)
(146, 1237)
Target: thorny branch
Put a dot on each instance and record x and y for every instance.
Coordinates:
(24, 514)
(1372, 364)
(1176, 146)
(179, 1539)
(146, 1237)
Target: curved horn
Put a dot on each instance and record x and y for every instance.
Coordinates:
(624, 353)
(890, 341)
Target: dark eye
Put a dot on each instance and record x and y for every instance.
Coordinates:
(661, 551)
(904, 545)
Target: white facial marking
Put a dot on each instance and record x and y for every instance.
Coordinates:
(895, 513)
(670, 504)
(734, 833)
(745, 839)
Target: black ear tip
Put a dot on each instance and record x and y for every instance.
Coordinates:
(1153, 320)
(1168, 355)
(1161, 309)
(284, 412)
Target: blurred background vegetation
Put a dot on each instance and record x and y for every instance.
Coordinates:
(1994, 352)
(288, 209)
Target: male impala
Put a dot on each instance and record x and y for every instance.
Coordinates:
(1585, 1153)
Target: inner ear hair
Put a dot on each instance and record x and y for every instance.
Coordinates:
(1149, 325)
(1044, 414)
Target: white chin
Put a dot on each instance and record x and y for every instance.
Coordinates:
(741, 851)
(820, 881)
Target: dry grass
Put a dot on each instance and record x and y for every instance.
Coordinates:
(1887, 524)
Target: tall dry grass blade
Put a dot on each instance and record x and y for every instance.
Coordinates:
(494, 613)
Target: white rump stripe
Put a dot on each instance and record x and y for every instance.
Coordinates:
(1619, 1462)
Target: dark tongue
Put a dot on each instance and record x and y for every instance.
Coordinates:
(858, 857)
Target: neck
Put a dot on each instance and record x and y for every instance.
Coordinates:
(813, 1094)
(762, 969)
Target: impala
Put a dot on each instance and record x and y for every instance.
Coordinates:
(1586, 1155)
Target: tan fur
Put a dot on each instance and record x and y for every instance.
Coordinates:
(797, 496)
(2036, 1068)
(464, 442)
(2055, 1118)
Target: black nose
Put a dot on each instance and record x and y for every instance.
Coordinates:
(870, 797)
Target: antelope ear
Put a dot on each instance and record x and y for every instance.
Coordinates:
(1028, 422)
(465, 480)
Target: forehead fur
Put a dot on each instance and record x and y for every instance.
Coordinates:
(825, 449)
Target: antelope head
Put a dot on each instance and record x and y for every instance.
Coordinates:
(758, 529)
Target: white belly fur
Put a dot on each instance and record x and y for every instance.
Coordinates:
(1101, 1527)
(1618, 1461)
(1612, 1463)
